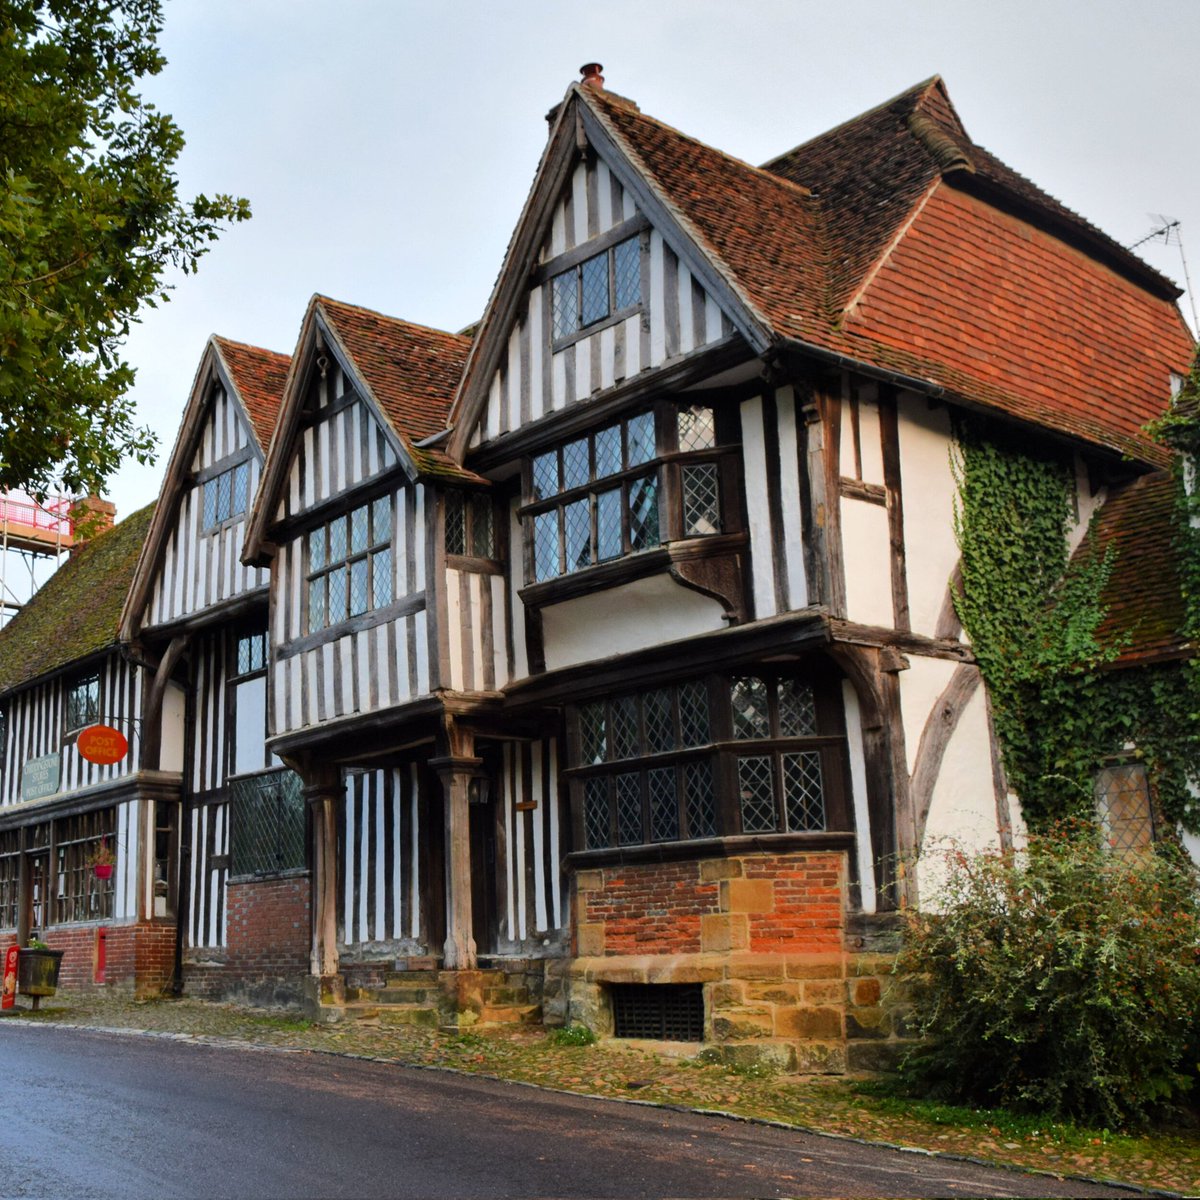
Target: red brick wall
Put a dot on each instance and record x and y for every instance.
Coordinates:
(138, 957)
(807, 914)
(652, 908)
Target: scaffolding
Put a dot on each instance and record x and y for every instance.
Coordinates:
(31, 534)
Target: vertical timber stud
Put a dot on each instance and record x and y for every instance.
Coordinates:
(456, 769)
(322, 791)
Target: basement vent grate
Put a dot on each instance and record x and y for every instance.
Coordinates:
(669, 1012)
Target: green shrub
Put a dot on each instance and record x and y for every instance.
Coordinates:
(571, 1035)
(1064, 979)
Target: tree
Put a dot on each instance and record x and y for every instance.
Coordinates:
(90, 224)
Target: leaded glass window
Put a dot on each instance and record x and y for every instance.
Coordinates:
(83, 704)
(606, 284)
(470, 525)
(226, 495)
(350, 565)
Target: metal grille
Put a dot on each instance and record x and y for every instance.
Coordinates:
(1123, 808)
(595, 813)
(627, 273)
(797, 711)
(593, 743)
(267, 824)
(669, 1012)
(701, 500)
(575, 468)
(629, 808)
(593, 274)
(545, 475)
(693, 714)
(643, 513)
(803, 795)
(565, 291)
(659, 725)
(757, 794)
(697, 430)
(664, 804)
(701, 804)
(751, 716)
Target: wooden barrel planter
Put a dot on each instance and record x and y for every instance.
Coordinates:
(37, 973)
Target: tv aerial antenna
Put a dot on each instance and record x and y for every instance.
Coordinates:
(1170, 233)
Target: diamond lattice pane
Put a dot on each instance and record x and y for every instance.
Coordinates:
(693, 714)
(593, 284)
(575, 466)
(697, 428)
(224, 494)
(565, 302)
(545, 475)
(360, 529)
(316, 604)
(456, 524)
(243, 656)
(643, 513)
(1123, 808)
(337, 595)
(640, 435)
(577, 524)
(658, 721)
(359, 593)
(545, 545)
(701, 500)
(241, 488)
(797, 710)
(337, 540)
(803, 795)
(210, 503)
(483, 542)
(751, 717)
(757, 793)
(623, 726)
(595, 813)
(593, 744)
(608, 525)
(608, 451)
(316, 549)
(381, 520)
(381, 578)
(627, 273)
(629, 808)
(664, 804)
(700, 800)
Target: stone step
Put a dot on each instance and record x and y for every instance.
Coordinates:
(510, 1014)
(404, 995)
(506, 995)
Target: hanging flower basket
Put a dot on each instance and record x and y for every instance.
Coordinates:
(102, 870)
(102, 860)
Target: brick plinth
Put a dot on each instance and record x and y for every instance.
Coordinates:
(765, 934)
(268, 939)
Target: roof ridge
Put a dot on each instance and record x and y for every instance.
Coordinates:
(228, 341)
(360, 308)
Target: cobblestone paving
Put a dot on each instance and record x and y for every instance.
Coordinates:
(1169, 1162)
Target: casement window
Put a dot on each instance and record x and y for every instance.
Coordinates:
(83, 704)
(756, 753)
(607, 285)
(10, 867)
(74, 891)
(628, 487)
(1123, 809)
(267, 824)
(226, 495)
(470, 525)
(350, 565)
(248, 701)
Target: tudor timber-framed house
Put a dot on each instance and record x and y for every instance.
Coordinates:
(613, 647)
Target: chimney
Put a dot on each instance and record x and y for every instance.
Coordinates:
(591, 76)
(91, 516)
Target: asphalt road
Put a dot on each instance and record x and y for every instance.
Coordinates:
(104, 1115)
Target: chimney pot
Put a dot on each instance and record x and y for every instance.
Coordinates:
(591, 75)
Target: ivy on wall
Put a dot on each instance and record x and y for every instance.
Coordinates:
(1032, 613)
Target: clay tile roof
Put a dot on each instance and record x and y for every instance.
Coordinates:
(1143, 596)
(76, 612)
(259, 376)
(412, 371)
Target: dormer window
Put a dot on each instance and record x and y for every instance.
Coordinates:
(83, 704)
(608, 284)
(226, 495)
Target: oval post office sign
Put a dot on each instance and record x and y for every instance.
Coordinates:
(102, 744)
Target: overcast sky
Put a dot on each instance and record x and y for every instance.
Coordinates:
(387, 146)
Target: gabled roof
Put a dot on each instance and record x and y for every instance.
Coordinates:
(254, 379)
(1143, 597)
(77, 611)
(847, 247)
(407, 373)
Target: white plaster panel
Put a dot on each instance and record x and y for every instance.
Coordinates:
(866, 549)
(920, 686)
(870, 441)
(174, 705)
(928, 492)
(620, 620)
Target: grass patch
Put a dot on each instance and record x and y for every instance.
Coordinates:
(571, 1035)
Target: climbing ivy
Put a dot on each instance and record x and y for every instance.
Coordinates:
(1032, 612)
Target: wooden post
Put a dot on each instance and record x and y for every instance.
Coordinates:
(456, 772)
(322, 791)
